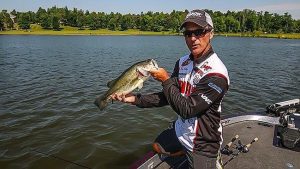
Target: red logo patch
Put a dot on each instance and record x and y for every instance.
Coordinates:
(206, 67)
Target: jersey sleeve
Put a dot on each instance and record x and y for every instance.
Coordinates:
(207, 91)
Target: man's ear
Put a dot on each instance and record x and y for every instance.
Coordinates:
(211, 34)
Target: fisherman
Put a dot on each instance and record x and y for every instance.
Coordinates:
(195, 91)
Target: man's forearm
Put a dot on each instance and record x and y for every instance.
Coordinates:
(151, 100)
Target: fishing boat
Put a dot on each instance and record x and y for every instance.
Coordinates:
(256, 140)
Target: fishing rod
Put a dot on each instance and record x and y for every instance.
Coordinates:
(68, 161)
(241, 148)
(225, 150)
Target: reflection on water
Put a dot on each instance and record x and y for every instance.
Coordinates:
(48, 85)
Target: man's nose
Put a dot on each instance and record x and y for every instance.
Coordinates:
(193, 38)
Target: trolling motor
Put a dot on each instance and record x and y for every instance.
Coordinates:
(287, 132)
(240, 148)
(225, 150)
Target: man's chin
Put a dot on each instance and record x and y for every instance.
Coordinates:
(196, 52)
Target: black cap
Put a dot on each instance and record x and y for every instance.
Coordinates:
(198, 17)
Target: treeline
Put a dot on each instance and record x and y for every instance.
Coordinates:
(241, 21)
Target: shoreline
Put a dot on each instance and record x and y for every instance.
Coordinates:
(132, 32)
(67, 30)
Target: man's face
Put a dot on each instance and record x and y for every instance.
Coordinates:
(198, 45)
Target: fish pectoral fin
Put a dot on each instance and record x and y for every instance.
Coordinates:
(142, 72)
(111, 83)
(140, 86)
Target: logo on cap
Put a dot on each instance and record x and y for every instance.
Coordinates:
(193, 14)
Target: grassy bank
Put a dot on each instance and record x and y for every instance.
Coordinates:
(67, 30)
(264, 35)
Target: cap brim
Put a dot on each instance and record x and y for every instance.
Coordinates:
(202, 24)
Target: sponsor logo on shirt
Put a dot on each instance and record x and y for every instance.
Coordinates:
(186, 62)
(206, 67)
(196, 79)
(198, 71)
(206, 99)
(184, 69)
(217, 88)
(203, 69)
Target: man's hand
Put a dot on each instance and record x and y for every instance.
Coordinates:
(160, 75)
(129, 98)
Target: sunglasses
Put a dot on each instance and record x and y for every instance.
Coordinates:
(197, 32)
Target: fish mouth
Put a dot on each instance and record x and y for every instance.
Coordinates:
(142, 73)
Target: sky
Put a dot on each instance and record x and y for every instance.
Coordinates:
(138, 6)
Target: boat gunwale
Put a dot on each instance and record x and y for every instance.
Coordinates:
(265, 118)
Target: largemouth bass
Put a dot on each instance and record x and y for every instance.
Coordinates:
(129, 80)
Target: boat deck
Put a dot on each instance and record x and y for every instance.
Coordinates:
(262, 154)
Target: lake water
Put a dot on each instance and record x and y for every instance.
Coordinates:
(48, 85)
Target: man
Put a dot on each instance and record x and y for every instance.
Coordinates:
(195, 91)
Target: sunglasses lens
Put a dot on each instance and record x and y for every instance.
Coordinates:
(197, 32)
(187, 33)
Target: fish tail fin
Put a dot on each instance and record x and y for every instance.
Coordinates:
(100, 102)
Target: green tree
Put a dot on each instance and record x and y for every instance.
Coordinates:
(219, 24)
(24, 21)
(260, 21)
(1, 22)
(72, 19)
(287, 23)
(102, 20)
(158, 22)
(146, 22)
(232, 25)
(7, 20)
(55, 22)
(267, 22)
(92, 21)
(125, 22)
(174, 21)
(39, 14)
(32, 16)
(231, 21)
(65, 16)
(297, 26)
(112, 24)
(276, 26)
(240, 16)
(251, 20)
(80, 20)
(136, 21)
(45, 21)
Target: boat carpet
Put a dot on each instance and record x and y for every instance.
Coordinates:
(262, 154)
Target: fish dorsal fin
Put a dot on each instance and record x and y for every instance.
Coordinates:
(140, 86)
(142, 72)
(111, 83)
